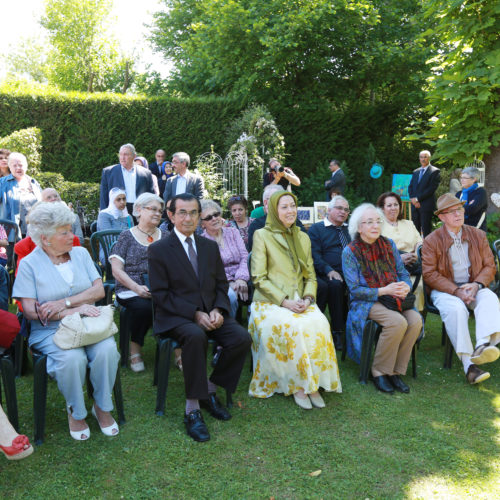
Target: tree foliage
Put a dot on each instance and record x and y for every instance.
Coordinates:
(83, 56)
(341, 51)
(464, 90)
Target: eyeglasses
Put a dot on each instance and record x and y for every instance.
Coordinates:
(454, 212)
(343, 209)
(465, 177)
(183, 214)
(211, 216)
(371, 222)
(154, 210)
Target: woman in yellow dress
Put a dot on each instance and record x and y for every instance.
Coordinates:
(292, 348)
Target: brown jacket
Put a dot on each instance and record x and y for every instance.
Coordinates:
(436, 265)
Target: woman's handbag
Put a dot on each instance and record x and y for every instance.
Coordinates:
(79, 331)
(395, 304)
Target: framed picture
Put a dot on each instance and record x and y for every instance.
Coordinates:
(320, 210)
(400, 183)
(305, 215)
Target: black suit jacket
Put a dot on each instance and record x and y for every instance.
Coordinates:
(425, 190)
(177, 292)
(113, 177)
(337, 181)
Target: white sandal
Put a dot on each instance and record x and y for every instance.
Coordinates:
(139, 366)
(82, 435)
(107, 431)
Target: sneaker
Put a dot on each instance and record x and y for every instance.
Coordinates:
(485, 353)
(476, 375)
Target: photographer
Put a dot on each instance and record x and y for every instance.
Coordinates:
(280, 175)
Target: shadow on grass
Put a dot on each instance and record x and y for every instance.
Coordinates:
(439, 441)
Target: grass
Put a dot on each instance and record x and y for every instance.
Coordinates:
(440, 441)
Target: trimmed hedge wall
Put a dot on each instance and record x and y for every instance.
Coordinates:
(83, 132)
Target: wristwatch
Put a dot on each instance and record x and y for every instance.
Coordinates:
(481, 286)
(68, 303)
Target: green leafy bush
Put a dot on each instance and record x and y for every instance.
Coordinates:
(27, 141)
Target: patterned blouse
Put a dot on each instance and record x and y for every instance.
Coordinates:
(134, 256)
(243, 230)
(233, 253)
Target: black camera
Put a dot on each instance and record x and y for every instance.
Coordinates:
(277, 167)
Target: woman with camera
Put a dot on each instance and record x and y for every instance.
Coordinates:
(280, 175)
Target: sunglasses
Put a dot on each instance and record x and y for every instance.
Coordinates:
(211, 216)
(235, 198)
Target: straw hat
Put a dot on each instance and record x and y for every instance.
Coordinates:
(445, 201)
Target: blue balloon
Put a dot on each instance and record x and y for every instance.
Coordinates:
(376, 171)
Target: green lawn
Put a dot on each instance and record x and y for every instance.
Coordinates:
(440, 441)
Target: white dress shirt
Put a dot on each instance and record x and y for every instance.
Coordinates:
(182, 239)
(181, 184)
(129, 178)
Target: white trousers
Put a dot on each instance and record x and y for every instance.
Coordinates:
(455, 315)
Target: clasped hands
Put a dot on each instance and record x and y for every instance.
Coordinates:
(467, 292)
(397, 289)
(53, 308)
(297, 306)
(241, 289)
(210, 321)
(415, 202)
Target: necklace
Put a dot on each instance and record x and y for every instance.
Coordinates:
(149, 238)
(394, 224)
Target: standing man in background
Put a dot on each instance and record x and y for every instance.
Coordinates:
(336, 183)
(183, 181)
(422, 191)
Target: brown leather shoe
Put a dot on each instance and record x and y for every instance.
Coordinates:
(476, 375)
(485, 353)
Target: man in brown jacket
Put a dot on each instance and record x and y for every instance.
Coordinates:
(458, 266)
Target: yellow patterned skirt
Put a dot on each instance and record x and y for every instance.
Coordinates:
(291, 351)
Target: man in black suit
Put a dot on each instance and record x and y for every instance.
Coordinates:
(328, 239)
(183, 181)
(422, 192)
(189, 289)
(134, 179)
(336, 183)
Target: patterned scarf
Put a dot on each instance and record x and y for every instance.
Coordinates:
(465, 193)
(377, 262)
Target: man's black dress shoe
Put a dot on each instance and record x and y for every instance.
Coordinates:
(337, 340)
(214, 407)
(398, 384)
(382, 384)
(195, 426)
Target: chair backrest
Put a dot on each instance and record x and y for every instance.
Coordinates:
(104, 240)
(427, 297)
(93, 227)
(4, 289)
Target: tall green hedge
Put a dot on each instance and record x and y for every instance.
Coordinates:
(83, 132)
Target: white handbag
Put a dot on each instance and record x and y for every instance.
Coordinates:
(77, 331)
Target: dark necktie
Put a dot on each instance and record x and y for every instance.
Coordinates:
(342, 238)
(422, 171)
(192, 255)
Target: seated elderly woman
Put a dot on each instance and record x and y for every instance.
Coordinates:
(292, 348)
(475, 197)
(405, 235)
(232, 250)
(238, 205)
(116, 215)
(129, 262)
(13, 445)
(373, 268)
(55, 280)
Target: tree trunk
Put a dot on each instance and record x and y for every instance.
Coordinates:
(126, 79)
(492, 174)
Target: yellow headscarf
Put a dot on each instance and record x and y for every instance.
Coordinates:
(291, 234)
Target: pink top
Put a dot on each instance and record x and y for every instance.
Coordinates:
(234, 254)
(3, 236)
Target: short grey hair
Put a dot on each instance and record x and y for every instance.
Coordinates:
(45, 218)
(270, 190)
(208, 204)
(425, 152)
(130, 147)
(355, 220)
(335, 199)
(473, 172)
(183, 157)
(145, 199)
(17, 156)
